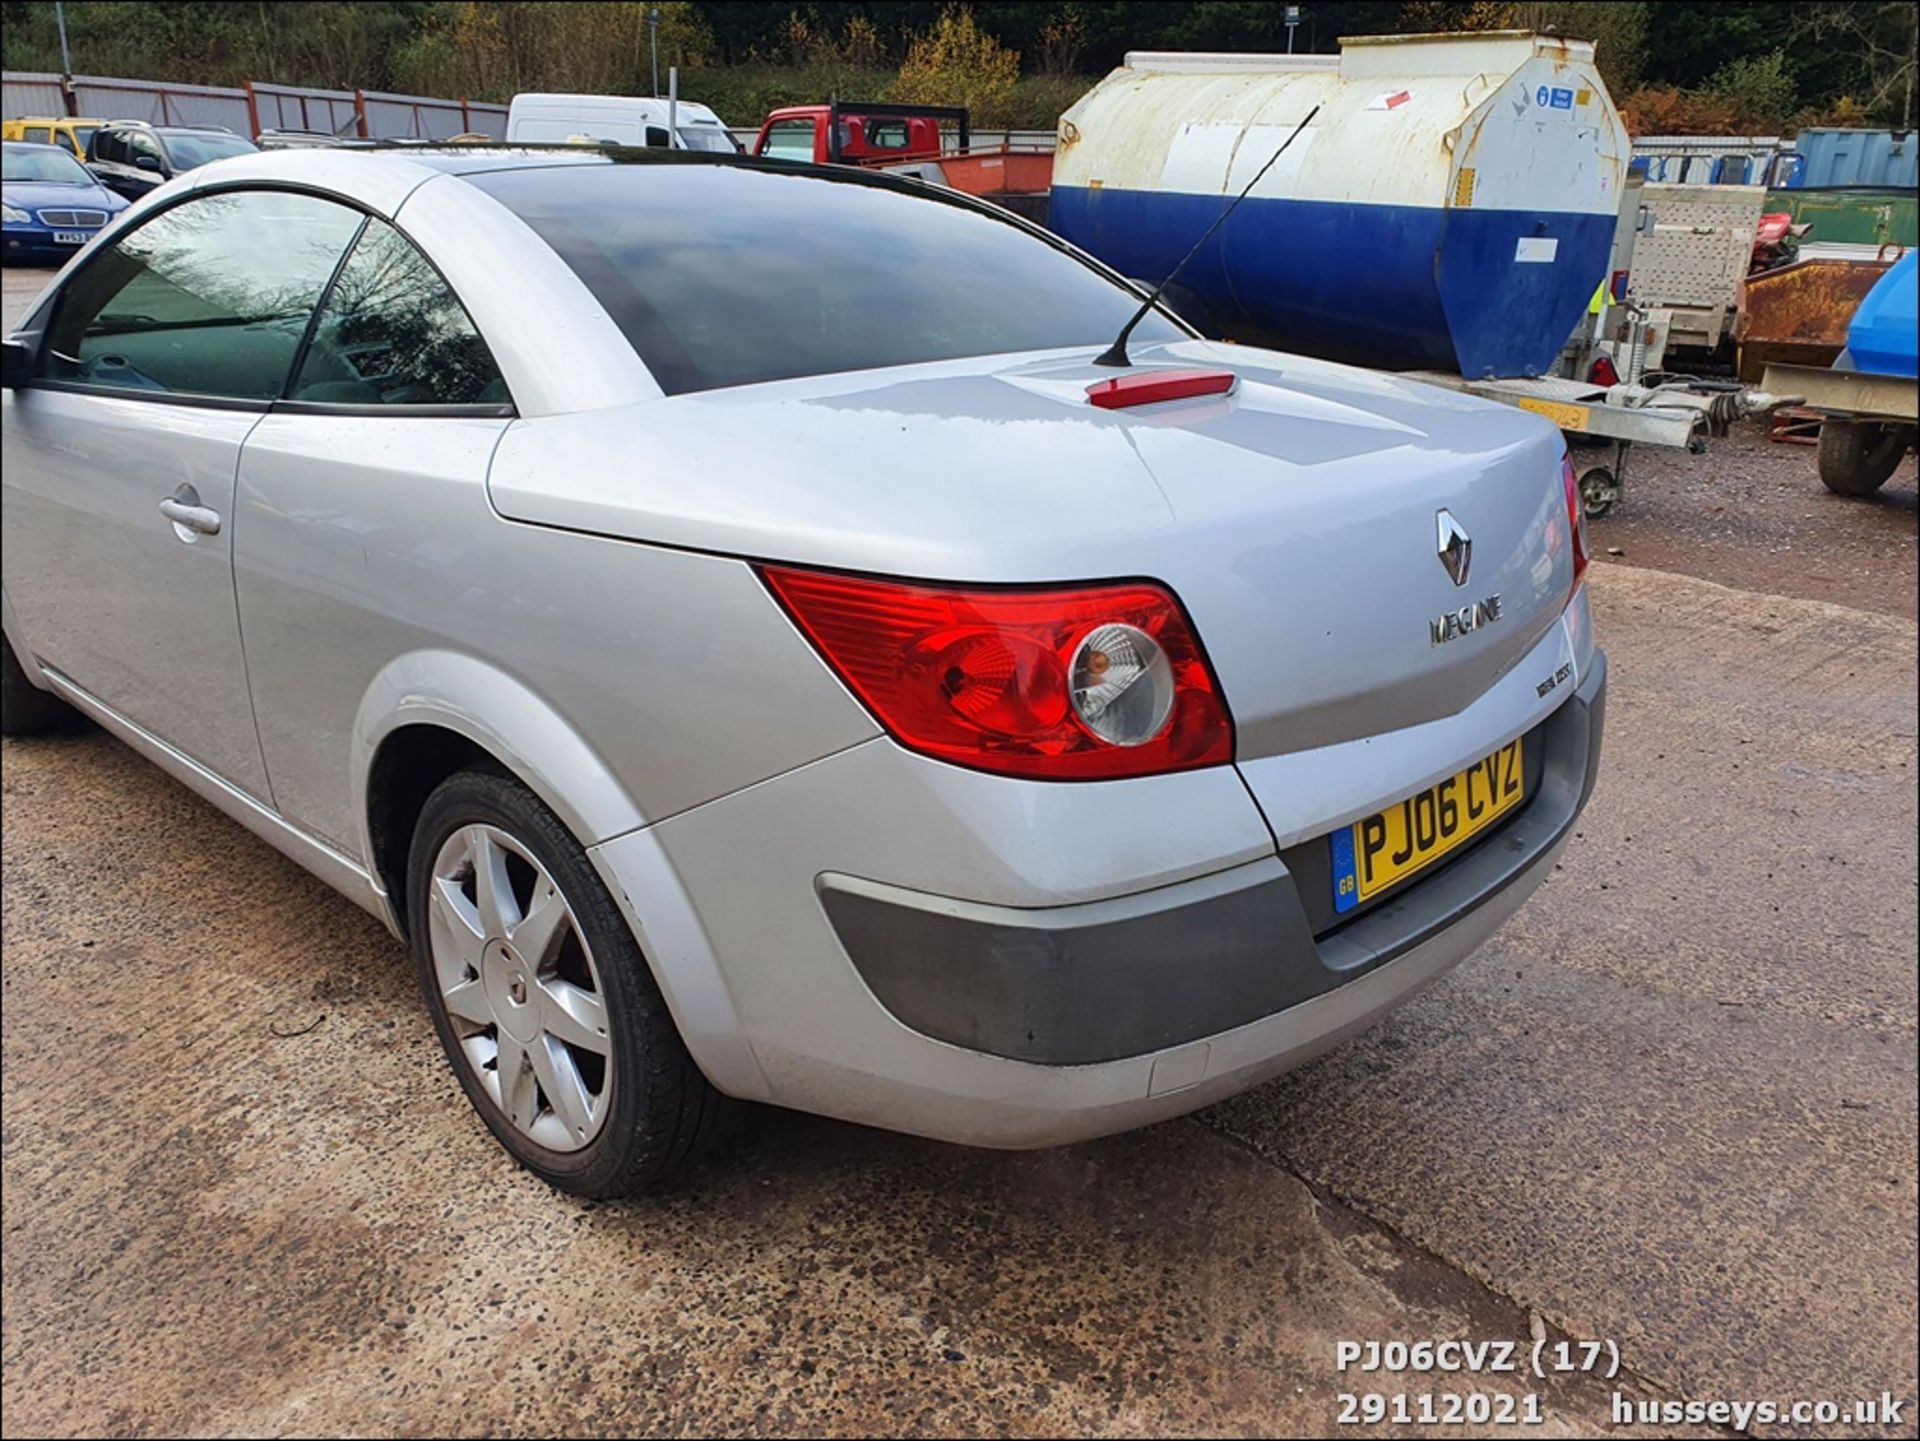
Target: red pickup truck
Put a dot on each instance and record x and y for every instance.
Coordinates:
(859, 133)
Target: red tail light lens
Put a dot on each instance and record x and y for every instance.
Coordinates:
(1576, 518)
(1080, 683)
(1149, 387)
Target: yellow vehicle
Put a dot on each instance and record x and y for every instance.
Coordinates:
(43, 130)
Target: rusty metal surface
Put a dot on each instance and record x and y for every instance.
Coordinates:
(1798, 313)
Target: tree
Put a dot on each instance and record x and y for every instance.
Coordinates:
(957, 63)
(494, 51)
(1618, 28)
(1757, 91)
(1883, 39)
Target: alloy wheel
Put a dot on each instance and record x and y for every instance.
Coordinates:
(520, 989)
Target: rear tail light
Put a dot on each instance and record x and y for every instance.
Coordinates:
(1075, 683)
(1576, 518)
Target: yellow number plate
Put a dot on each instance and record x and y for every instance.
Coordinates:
(1381, 851)
(1567, 417)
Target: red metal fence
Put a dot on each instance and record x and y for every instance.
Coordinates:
(250, 108)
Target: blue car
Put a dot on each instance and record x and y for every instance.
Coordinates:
(52, 205)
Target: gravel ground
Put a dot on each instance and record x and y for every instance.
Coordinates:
(1670, 1105)
(1752, 513)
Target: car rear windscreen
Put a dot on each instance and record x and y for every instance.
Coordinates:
(726, 275)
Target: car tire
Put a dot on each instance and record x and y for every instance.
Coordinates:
(25, 709)
(653, 1111)
(1858, 456)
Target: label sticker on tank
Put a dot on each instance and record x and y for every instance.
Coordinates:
(1463, 188)
(1584, 97)
(1561, 99)
(1536, 250)
(1391, 101)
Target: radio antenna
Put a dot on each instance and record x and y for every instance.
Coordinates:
(1116, 354)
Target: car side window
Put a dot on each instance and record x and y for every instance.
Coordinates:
(790, 140)
(887, 134)
(39, 134)
(138, 143)
(106, 147)
(391, 333)
(208, 298)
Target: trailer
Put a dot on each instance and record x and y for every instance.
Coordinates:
(1694, 257)
(1870, 398)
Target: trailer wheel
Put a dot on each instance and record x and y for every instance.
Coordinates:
(1599, 489)
(1857, 456)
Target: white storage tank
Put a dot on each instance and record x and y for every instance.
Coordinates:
(1451, 206)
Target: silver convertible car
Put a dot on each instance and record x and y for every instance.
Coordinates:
(719, 615)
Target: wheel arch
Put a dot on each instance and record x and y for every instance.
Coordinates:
(10, 627)
(430, 713)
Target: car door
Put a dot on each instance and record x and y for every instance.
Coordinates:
(146, 164)
(152, 363)
(362, 515)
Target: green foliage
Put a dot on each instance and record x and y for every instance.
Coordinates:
(957, 63)
(493, 51)
(1758, 90)
(743, 93)
(1679, 58)
(1618, 28)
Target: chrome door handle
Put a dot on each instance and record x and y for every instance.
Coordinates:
(189, 517)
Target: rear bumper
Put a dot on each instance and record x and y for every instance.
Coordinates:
(1079, 985)
(1146, 950)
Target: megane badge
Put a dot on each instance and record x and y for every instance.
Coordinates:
(1456, 547)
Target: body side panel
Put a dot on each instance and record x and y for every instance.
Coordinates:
(378, 588)
(337, 869)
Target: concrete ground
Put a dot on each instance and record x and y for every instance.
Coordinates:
(1671, 1105)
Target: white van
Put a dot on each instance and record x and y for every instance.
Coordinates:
(622, 119)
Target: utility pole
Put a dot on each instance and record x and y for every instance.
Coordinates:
(66, 61)
(60, 19)
(653, 24)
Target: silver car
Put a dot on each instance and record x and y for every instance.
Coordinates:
(719, 616)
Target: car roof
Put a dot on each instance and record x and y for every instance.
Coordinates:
(167, 129)
(473, 158)
(382, 176)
